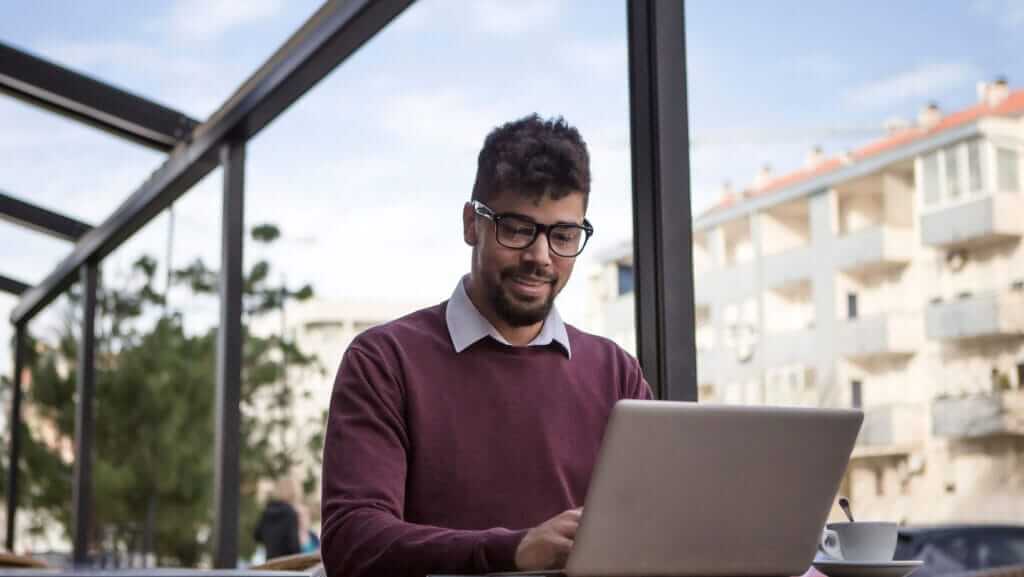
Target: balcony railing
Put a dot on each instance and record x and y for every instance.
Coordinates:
(985, 220)
(989, 314)
(996, 413)
(786, 268)
(789, 348)
(874, 248)
(729, 284)
(708, 366)
(891, 429)
(878, 335)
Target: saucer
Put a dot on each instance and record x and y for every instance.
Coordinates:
(841, 568)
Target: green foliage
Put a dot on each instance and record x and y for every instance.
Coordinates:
(154, 405)
(265, 233)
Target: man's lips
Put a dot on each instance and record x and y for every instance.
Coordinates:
(531, 286)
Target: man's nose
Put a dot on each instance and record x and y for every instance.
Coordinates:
(540, 251)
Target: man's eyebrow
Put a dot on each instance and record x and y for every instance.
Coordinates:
(534, 221)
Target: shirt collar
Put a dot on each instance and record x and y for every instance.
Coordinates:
(466, 325)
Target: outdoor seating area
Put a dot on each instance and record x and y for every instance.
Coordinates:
(858, 315)
(196, 147)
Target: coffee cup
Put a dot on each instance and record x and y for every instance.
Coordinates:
(860, 541)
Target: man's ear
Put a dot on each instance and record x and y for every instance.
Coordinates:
(469, 224)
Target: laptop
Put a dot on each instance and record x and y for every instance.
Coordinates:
(683, 489)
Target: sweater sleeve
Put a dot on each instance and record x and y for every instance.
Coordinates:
(637, 386)
(364, 477)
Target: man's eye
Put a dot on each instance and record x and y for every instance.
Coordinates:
(515, 229)
(566, 235)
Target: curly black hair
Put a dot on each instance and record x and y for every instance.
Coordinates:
(535, 158)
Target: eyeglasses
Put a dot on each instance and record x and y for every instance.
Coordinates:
(519, 232)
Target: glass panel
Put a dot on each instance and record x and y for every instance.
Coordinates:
(856, 394)
(974, 166)
(930, 165)
(952, 163)
(625, 279)
(900, 296)
(1008, 168)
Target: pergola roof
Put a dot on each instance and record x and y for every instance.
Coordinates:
(195, 148)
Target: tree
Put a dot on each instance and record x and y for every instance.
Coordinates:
(155, 385)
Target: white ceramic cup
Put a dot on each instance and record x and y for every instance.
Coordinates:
(861, 541)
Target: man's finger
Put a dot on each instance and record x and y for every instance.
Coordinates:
(567, 527)
(574, 513)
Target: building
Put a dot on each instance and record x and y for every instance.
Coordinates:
(889, 278)
(323, 328)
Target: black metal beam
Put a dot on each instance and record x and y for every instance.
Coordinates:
(11, 286)
(43, 220)
(662, 225)
(332, 34)
(14, 455)
(82, 486)
(227, 427)
(68, 93)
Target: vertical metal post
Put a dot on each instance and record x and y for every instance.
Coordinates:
(82, 488)
(15, 449)
(228, 428)
(662, 226)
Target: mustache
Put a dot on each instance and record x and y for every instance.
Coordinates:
(529, 272)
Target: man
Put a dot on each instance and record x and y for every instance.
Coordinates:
(461, 438)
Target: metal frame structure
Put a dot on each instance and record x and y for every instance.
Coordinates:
(12, 286)
(40, 219)
(661, 197)
(65, 92)
(662, 222)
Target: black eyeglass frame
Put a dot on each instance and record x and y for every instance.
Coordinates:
(538, 228)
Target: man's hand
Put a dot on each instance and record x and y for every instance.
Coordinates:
(547, 545)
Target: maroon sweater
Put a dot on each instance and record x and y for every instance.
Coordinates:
(438, 462)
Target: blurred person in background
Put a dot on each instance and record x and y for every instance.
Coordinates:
(278, 526)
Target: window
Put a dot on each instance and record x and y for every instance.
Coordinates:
(856, 394)
(952, 173)
(1020, 375)
(1007, 166)
(974, 166)
(625, 279)
(851, 305)
(930, 182)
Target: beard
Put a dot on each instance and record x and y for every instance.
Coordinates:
(517, 312)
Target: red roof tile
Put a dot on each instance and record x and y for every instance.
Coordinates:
(1013, 105)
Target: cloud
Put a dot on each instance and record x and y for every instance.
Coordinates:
(920, 83)
(207, 19)
(193, 85)
(510, 18)
(446, 117)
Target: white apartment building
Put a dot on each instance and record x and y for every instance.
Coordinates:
(323, 328)
(889, 278)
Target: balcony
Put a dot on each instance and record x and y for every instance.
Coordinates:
(1000, 413)
(789, 348)
(890, 430)
(787, 268)
(874, 248)
(708, 366)
(982, 221)
(991, 314)
(729, 284)
(878, 336)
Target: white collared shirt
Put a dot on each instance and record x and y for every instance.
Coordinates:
(466, 325)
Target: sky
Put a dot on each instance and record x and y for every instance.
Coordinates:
(367, 173)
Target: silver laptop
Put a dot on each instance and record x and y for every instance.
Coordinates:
(699, 489)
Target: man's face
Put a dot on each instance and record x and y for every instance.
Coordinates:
(520, 285)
